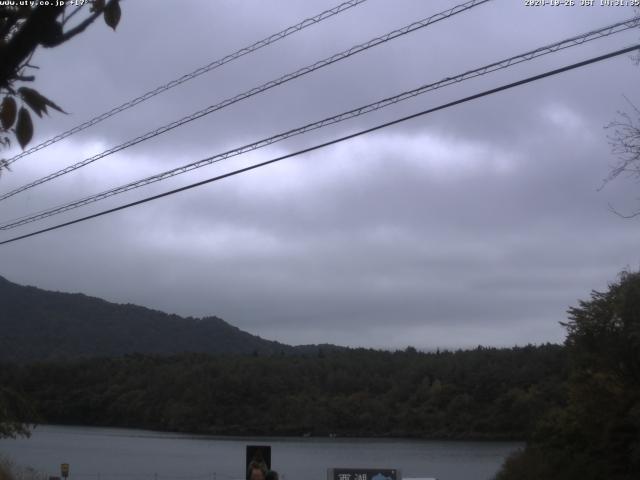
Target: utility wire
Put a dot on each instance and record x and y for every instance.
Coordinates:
(333, 142)
(256, 90)
(190, 76)
(502, 64)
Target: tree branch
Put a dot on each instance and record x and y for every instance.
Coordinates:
(81, 27)
(26, 40)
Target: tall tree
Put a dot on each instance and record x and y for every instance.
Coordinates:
(597, 434)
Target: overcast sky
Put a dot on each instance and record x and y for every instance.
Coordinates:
(480, 224)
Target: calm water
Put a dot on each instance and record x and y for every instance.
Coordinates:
(118, 454)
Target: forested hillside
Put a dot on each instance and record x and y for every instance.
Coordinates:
(482, 393)
(42, 325)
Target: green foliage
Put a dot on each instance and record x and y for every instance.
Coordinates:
(528, 464)
(8, 112)
(10, 471)
(24, 127)
(24, 27)
(19, 121)
(15, 410)
(484, 393)
(112, 14)
(37, 102)
(597, 434)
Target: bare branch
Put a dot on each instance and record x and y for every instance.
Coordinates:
(625, 143)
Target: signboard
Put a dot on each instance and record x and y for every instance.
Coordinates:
(258, 454)
(64, 470)
(363, 474)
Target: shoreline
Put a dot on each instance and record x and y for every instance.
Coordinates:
(146, 432)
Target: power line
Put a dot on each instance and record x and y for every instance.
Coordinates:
(333, 142)
(256, 90)
(502, 64)
(195, 73)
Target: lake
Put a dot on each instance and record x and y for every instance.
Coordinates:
(120, 454)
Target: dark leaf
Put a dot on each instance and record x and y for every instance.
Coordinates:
(24, 127)
(37, 102)
(112, 13)
(8, 113)
(51, 34)
(98, 5)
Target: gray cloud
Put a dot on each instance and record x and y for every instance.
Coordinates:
(479, 224)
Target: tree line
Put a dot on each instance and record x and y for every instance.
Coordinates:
(485, 393)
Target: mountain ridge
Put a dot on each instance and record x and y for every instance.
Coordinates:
(44, 325)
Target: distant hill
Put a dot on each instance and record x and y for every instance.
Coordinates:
(40, 325)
